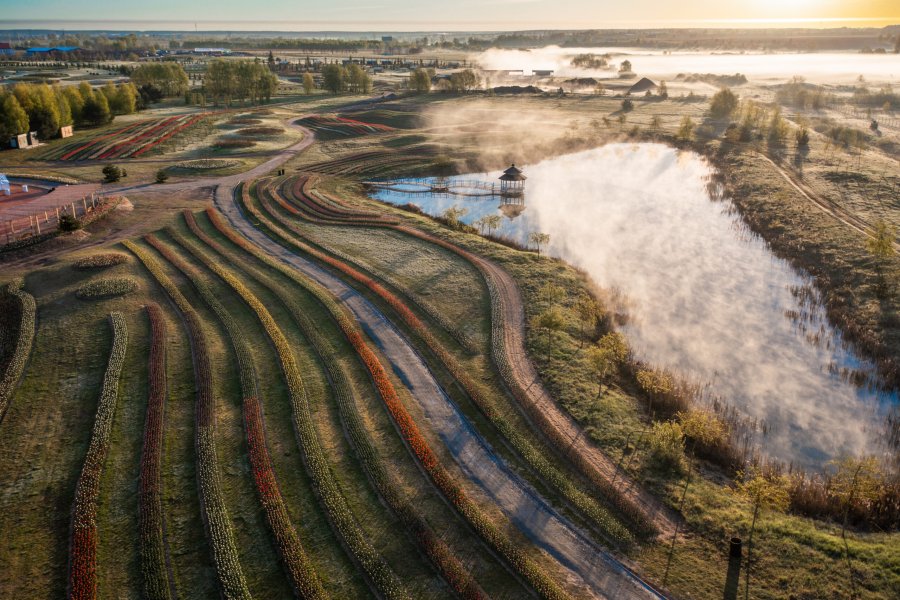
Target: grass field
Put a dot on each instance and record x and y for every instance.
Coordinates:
(295, 461)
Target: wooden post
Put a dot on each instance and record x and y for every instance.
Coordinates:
(73, 210)
(37, 225)
(57, 214)
(46, 218)
(84, 202)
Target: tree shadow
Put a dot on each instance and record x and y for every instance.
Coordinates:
(732, 580)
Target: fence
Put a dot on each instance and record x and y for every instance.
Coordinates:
(41, 222)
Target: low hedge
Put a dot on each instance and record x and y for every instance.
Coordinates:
(100, 261)
(106, 287)
(23, 342)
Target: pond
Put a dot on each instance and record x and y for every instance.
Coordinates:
(705, 296)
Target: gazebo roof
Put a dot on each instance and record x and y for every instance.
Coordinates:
(513, 174)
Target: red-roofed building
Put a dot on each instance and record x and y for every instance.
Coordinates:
(6, 48)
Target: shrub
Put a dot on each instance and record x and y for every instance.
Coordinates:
(233, 143)
(723, 104)
(100, 261)
(252, 131)
(161, 176)
(206, 164)
(112, 173)
(21, 346)
(667, 444)
(106, 287)
(83, 548)
(627, 105)
(69, 223)
(244, 121)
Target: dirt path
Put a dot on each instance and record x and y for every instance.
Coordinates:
(598, 571)
(827, 206)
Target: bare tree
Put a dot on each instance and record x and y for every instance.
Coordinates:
(763, 492)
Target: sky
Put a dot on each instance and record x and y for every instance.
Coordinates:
(438, 15)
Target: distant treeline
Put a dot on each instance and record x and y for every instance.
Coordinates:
(45, 109)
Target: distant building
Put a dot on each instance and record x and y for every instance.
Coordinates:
(6, 49)
(46, 50)
(542, 72)
(643, 85)
(387, 39)
(212, 51)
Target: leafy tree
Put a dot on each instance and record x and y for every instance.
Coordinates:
(723, 104)
(663, 90)
(550, 320)
(40, 104)
(13, 118)
(309, 84)
(464, 81)
(778, 129)
(538, 239)
(420, 81)
(856, 479)
(605, 357)
(701, 426)
(169, 78)
(763, 491)
(96, 109)
(161, 176)
(358, 80)
(588, 313)
(627, 105)
(667, 444)
(334, 78)
(112, 173)
(685, 129)
(492, 222)
(453, 215)
(625, 66)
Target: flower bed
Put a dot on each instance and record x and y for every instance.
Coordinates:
(408, 429)
(259, 131)
(334, 503)
(335, 126)
(83, 548)
(219, 530)
(130, 141)
(21, 346)
(297, 564)
(232, 144)
(106, 287)
(441, 555)
(151, 525)
(100, 261)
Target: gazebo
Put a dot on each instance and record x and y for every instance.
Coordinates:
(512, 182)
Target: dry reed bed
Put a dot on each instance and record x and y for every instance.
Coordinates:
(386, 582)
(534, 455)
(83, 543)
(219, 531)
(449, 487)
(440, 554)
(27, 310)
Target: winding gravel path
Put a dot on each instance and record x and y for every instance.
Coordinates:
(602, 574)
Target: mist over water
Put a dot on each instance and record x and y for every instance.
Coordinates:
(830, 67)
(705, 296)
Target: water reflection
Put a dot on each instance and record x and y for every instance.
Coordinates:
(706, 297)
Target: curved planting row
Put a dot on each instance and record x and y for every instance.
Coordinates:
(370, 163)
(440, 554)
(221, 536)
(299, 569)
(534, 455)
(335, 126)
(301, 194)
(154, 553)
(333, 501)
(602, 486)
(127, 142)
(22, 345)
(452, 490)
(83, 544)
(455, 332)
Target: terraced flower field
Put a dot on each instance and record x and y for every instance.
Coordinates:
(335, 126)
(131, 141)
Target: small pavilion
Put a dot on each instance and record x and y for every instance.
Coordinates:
(512, 182)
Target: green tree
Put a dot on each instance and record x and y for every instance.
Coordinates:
(550, 320)
(167, 77)
(309, 84)
(763, 491)
(358, 80)
(625, 66)
(161, 176)
(420, 81)
(96, 109)
(334, 78)
(588, 313)
(667, 444)
(778, 129)
(627, 105)
(464, 81)
(538, 239)
(881, 245)
(13, 118)
(723, 104)
(453, 215)
(42, 108)
(685, 129)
